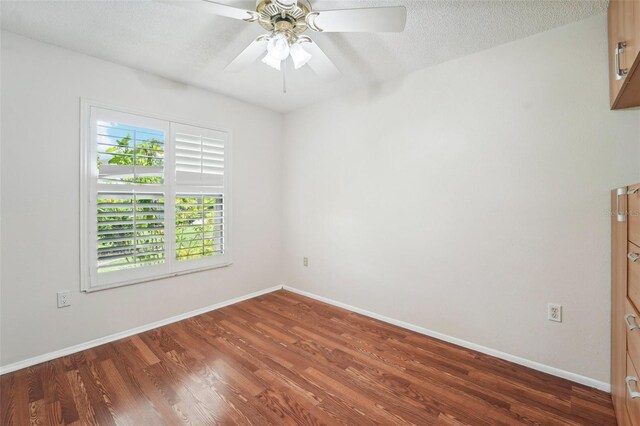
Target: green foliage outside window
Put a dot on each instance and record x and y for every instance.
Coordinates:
(199, 226)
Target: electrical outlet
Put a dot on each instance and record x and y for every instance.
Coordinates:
(64, 298)
(554, 312)
(305, 261)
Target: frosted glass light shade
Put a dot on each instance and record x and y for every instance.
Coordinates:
(278, 47)
(299, 55)
(271, 61)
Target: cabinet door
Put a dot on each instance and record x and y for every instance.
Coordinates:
(631, 33)
(618, 295)
(624, 27)
(615, 20)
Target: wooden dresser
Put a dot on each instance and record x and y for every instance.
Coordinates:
(625, 309)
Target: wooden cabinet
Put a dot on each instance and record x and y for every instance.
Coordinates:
(619, 238)
(624, 49)
(625, 309)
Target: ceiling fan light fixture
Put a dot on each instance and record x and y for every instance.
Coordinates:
(271, 61)
(278, 47)
(299, 56)
(285, 22)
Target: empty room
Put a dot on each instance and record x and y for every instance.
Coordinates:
(320, 212)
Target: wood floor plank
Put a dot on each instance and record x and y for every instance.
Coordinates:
(81, 399)
(8, 402)
(21, 393)
(99, 400)
(285, 359)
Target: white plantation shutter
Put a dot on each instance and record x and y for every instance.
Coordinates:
(155, 198)
(199, 154)
(201, 194)
(130, 230)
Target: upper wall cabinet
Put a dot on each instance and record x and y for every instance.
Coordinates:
(624, 46)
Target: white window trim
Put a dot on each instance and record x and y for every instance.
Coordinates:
(88, 175)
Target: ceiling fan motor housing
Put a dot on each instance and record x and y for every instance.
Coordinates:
(278, 16)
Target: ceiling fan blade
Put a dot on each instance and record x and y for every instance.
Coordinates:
(210, 7)
(320, 62)
(248, 55)
(376, 19)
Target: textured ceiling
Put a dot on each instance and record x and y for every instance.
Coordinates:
(184, 45)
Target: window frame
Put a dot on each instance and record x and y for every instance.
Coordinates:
(89, 280)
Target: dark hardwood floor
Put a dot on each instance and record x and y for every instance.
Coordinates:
(285, 359)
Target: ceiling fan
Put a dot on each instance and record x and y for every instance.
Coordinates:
(287, 20)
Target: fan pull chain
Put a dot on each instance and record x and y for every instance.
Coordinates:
(284, 76)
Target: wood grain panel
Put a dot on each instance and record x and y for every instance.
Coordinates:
(283, 359)
(633, 201)
(633, 405)
(633, 275)
(616, 24)
(633, 336)
(619, 236)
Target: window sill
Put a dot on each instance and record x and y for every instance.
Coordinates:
(156, 278)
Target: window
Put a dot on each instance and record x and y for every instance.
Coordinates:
(155, 198)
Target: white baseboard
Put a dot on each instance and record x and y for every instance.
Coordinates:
(110, 338)
(587, 381)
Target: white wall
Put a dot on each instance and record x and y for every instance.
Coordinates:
(461, 198)
(41, 88)
(464, 197)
